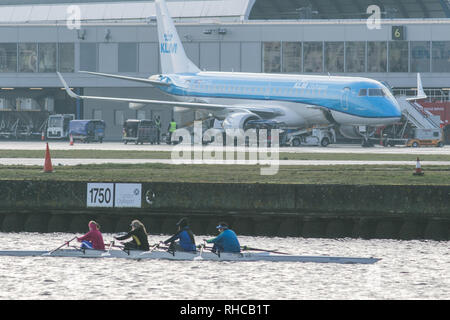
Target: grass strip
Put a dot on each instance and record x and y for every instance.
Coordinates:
(113, 154)
(342, 174)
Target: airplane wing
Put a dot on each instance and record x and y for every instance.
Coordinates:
(260, 110)
(143, 80)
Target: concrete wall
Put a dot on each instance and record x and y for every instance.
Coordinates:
(404, 212)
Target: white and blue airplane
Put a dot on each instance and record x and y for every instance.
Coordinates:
(298, 101)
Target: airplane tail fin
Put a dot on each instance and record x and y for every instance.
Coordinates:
(420, 92)
(173, 56)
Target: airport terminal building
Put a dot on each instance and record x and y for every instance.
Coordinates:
(338, 37)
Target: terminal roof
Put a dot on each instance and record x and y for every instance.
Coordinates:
(26, 11)
(348, 9)
(30, 11)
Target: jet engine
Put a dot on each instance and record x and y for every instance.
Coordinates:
(363, 133)
(351, 132)
(239, 120)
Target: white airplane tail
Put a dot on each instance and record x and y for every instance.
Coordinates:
(420, 92)
(173, 56)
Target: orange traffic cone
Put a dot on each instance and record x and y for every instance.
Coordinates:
(418, 171)
(43, 136)
(71, 140)
(48, 161)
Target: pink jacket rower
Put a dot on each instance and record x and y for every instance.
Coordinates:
(94, 237)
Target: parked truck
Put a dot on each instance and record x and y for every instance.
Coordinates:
(87, 130)
(139, 131)
(58, 126)
(426, 138)
(318, 136)
(416, 138)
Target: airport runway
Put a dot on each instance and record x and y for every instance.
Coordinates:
(335, 148)
(356, 149)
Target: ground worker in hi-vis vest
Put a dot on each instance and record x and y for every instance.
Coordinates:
(172, 129)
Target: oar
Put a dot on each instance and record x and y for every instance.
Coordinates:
(153, 247)
(263, 250)
(104, 254)
(202, 246)
(65, 243)
(162, 245)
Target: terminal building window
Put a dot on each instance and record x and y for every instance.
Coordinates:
(292, 57)
(28, 55)
(97, 114)
(119, 117)
(420, 56)
(8, 57)
(441, 56)
(141, 115)
(376, 57)
(313, 56)
(128, 55)
(66, 54)
(355, 55)
(88, 57)
(47, 57)
(398, 56)
(334, 56)
(272, 57)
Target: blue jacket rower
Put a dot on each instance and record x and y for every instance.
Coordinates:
(226, 241)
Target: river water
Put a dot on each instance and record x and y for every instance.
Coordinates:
(408, 270)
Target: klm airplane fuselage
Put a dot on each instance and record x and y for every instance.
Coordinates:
(302, 100)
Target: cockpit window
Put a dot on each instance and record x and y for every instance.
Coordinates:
(376, 92)
(362, 92)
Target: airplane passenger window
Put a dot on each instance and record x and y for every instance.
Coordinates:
(362, 92)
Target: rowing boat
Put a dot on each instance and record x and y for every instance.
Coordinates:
(179, 255)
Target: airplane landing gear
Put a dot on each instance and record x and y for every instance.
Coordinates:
(366, 143)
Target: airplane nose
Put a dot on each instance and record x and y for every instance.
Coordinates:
(392, 108)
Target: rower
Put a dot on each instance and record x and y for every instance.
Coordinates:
(226, 241)
(139, 237)
(185, 237)
(93, 239)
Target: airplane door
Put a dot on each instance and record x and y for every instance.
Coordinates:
(345, 98)
(186, 88)
(266, 92)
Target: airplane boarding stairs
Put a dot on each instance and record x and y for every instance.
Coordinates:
(417, 115)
